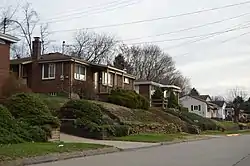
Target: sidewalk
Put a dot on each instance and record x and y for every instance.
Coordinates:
(119, 144)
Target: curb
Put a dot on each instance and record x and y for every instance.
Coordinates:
(167, 143)
(66, 156)
(58, 157)
(232, 135)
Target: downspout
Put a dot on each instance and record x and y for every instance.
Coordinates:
(62, 77)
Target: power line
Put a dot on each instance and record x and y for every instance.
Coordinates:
(95, 8)
(228, 40)
(182, 38)
(204, 38)
(103, 10)
(190, 28)
(159, 18)
(77, 10)
(190, 37)
(236, 37)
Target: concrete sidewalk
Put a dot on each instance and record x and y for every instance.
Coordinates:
(119, 144)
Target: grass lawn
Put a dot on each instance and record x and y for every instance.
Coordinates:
(16, 151)
(213, 132)
(153, 138)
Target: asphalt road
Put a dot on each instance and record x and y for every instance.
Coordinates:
(228, 151)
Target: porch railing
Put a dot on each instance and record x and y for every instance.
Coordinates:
(163, 103)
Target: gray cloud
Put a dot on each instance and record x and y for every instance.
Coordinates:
(213, 67)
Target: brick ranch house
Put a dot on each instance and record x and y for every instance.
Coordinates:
(5, 42)
(54, 73)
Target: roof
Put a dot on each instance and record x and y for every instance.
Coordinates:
(139, 82)
(204, 97)
(59, 57)
(219, 103)
(8, 38)
(210, 104)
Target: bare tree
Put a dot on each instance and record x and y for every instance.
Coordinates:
(7, 13)
(236, 98)
(148, 62)
(28, 25)
(218, 98)
(25, 26)
(93, 47)
(19, 50)
(44, 33)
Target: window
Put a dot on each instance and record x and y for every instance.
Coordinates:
(80, 72)
(199, 107)
(195, 107)
(53, 94)
(107, 78)
(126, 80)
(192, 107)
(48, 71)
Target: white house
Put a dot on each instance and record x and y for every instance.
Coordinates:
(221, 113)
(200, 105)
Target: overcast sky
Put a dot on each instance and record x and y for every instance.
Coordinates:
(214, 65)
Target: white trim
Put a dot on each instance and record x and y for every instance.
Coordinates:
(26, 62)
(49, 78)
(76, 75)
(157, 84)
(125, 80)
(9, 38)
(107, 79)
(77, 61)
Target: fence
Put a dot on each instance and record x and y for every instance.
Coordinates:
(163, 103)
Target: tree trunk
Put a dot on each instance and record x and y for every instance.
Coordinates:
(236, 115)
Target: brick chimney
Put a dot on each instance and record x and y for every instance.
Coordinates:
(36, 48)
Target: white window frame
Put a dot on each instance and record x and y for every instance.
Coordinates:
(106, 79)
(126, 80)
(78, 75)
(49, 72)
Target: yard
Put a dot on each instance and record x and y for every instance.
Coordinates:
(25, 150)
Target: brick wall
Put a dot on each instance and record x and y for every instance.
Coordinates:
(52, 85)
(4, 62)
(144, 91)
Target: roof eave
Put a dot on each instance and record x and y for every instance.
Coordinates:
(9, 38)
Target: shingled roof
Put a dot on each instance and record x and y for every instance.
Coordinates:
(219, 103)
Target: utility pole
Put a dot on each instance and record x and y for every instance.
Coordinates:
(4, 25)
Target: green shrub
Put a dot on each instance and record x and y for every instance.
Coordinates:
(120, 130)
(128, 99)
(81, 109)
(173, 101)
(25, 104)
(34, 121)
(158, 94)
(5, 114)
(194, 119)
(184, 109)
(87, 115)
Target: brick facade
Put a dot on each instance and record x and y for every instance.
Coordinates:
(64, 80)
(4, 62)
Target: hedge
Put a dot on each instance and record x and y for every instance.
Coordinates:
(194, 119)
(13, 131)
(128, 98)
(89, 120)
(32, 120)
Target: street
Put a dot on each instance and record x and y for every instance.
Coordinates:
(225, 151)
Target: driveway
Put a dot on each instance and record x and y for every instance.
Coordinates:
(118, 144)
(224, 151)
